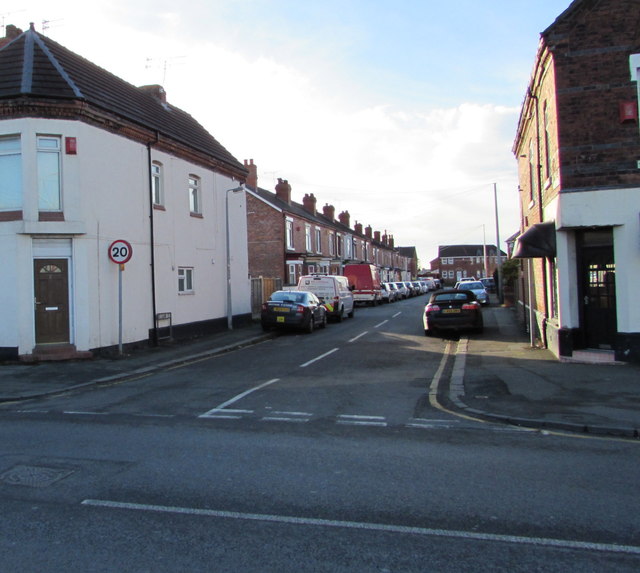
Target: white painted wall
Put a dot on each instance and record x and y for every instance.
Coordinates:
(106, 197)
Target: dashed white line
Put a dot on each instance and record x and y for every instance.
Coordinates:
(357, 420)
(359, 336)
(380, 324)
(397, 314)
(371, 526)
(318, 358)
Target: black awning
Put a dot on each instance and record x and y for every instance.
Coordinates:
(539, 240)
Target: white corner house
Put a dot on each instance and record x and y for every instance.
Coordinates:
(95, 171)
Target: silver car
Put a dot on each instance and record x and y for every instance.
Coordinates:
(477, 288)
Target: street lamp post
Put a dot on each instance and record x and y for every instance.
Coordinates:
(229, 306)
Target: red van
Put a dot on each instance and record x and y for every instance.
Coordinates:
(365, 281)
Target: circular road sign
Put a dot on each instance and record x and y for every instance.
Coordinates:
(120, 251)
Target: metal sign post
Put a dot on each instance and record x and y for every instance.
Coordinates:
(120, 252)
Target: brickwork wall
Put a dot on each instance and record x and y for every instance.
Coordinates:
(591, 57)
(266, 239)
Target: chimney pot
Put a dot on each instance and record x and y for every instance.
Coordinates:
(252, 177)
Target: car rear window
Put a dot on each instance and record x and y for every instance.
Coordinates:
(451, 296)
(289, 296)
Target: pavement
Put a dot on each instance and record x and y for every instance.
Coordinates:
(495, 376)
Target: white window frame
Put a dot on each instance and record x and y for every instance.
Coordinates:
(185, 280)
(157, 183)
(195, 195)
(318, 240)
(332, 244)
(307, 238)
(48, 157)
(289, 233)
(11, 197)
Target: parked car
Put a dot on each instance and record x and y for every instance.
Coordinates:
(393, 290)
(478, 289)
(365, 282)
(455, 310)
(489, 284)
(464, 279)
(334, 293)
(403, 291)
(293, 309)
(417, 286)
(411, 290)
(388, 295)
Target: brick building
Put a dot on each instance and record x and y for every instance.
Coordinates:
(577, 146)
(289, 239)
(455, 262)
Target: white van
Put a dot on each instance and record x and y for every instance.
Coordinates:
(333, 291)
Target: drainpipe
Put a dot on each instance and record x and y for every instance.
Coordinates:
(154, 330)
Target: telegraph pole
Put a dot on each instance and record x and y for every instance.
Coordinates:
(498, 252)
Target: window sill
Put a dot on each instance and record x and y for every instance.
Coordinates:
(50, 216)
(196, 215)
(159, 207)
(10, 215)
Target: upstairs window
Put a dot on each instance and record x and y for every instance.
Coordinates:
(157, 183)
(195, 200)
(318, 241)
(10, 173)
(289, 233)
(307, 238)
(48, 168)
(532, 173)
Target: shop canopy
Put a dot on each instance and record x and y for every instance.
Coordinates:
(537, 241)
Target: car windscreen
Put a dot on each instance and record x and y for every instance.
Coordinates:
(470, 285)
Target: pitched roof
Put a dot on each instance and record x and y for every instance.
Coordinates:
(33, 66)
(467, 251)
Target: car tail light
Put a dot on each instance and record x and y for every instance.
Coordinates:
(300, 309)
(265, 306)
(470, 305)
(431, 308)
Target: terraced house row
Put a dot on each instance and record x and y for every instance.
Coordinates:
(116, 203)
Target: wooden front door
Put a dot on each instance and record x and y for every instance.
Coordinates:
(598, 271)
(51, 279)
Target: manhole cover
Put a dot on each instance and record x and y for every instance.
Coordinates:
(34, 476)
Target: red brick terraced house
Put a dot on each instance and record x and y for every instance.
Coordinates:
(289, 239)
(455, 262)
(578, 151)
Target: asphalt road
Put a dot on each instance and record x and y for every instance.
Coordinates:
(316, 452)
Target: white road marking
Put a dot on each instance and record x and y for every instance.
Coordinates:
(397, 314)
(318, 358)
(79, 413)
(380, 324)
(367, 526)
(359, 336)
(357, 420)
(431, 424)
(217, 409)
(282, 416)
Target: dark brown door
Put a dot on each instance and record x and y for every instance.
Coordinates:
(51, 280)
(599, 296)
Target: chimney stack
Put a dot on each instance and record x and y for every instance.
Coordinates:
(11, 33)
(309, 203)
(376, 236)
(358, 228)
(329, 212)
(368, 231)
(252, 178)
(283, 190)
(345, 218)
(157, 91)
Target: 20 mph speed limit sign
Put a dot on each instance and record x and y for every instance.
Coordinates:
(120, 251)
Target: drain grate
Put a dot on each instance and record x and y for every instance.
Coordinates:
(34, 476)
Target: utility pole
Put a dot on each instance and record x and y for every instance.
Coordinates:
(498, 250)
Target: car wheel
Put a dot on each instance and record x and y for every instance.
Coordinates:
(340, 316)
(265, 328)
(310, 326)
(353, 310)
(427, 332)
(323, 324)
